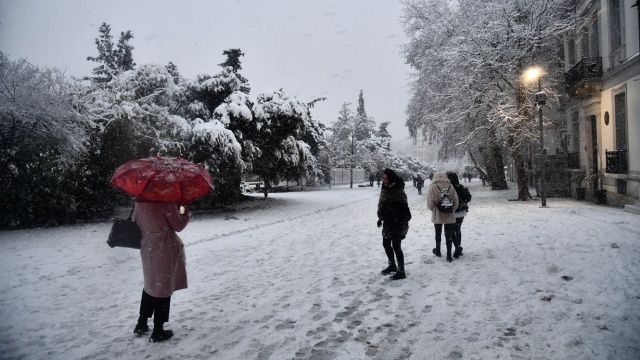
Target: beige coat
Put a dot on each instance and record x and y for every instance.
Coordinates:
(437, 217)
(161, 250)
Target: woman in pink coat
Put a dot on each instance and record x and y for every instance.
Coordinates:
(163, 263)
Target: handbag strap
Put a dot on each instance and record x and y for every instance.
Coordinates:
(131, 213)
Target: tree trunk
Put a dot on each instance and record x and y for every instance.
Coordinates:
(494, 163)
(351, 177)
(521, 174)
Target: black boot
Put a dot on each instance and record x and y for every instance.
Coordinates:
(399, 274)
(160, 334)
(141, 327)
(391, 268)
(458, 252)
(436, 252)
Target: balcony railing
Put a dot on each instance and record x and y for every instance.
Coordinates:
(616, 161)
(582, 77)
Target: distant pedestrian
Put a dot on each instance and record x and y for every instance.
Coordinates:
(267, 188)
(464, 176)
(393, 217)
(469, 176)
(464, 196)
(483, 177)
(371, 178)
(419, 184)
(439, 186)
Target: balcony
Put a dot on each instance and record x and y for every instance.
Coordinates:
(583, 80)
(616, 161)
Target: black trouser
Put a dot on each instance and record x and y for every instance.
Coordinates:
(391, 246)
(448, 235)
(457, 234)
(156, 307)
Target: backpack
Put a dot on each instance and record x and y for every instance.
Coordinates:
(445, 204)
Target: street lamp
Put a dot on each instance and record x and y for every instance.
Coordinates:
(532, 74)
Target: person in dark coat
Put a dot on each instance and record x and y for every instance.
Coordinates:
(464, 197)
(419, 184)
(163, 263)
(393, 216)
(439, 218)
(371, 179)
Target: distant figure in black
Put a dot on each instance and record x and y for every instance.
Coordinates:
(393, 216)
(371, 178)
(419, 184)
(464, 196)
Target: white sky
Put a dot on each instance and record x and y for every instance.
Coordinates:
(310, 48)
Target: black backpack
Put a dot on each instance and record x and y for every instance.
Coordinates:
(445, 203)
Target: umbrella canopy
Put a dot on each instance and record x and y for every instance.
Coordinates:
(162, 179)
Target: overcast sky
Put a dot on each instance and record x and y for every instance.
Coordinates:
(309, 48)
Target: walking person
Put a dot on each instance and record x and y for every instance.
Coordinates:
(464, 196)
(419, 184)
(393, 216)
(163, 263)
(442, 200)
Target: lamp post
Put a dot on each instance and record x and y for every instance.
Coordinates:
(536, 74)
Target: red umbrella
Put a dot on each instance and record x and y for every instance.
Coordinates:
(163, 179)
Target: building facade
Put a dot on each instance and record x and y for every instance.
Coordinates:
(602, 108)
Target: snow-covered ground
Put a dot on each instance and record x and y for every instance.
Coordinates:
(298, 277)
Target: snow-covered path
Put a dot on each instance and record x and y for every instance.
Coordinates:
(298, 277)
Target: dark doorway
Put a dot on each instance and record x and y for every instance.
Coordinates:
(594, 152)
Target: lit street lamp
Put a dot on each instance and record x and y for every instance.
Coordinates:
(532, 74)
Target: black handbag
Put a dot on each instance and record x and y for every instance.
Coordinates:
(125, 233)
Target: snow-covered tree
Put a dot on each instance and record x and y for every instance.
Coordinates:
(233, 61)
(469, 58)
(41, 138)
(285, 123)
(364, 125)
(130, 117)
(113, 59)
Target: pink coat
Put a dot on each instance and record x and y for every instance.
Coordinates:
(162, 251)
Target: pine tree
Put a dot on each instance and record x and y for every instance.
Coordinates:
(364, 126)
(233, 61)
(112, 60)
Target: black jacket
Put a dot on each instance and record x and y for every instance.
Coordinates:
(393, 210)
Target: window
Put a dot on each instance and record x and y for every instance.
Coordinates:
(621, 186)
(620, 120)
(584, 42)
(594, 38)
(616, 18)
(572, 52)
(575, 132)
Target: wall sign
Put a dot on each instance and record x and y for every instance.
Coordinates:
(606, 118)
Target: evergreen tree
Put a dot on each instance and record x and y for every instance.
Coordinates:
(364, 125)
(112, 60)
(233, 61)
(384, 133)
(173, 70)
